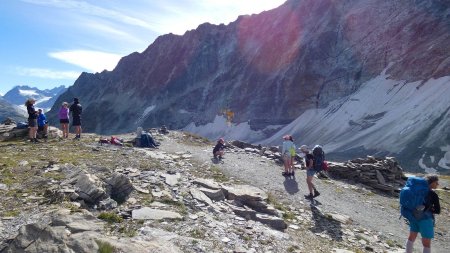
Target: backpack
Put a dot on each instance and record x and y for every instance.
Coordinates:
(412, 199)
(319, 159)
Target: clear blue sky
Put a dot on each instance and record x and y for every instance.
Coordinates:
(47, 43)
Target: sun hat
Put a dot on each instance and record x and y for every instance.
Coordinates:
(304, 148)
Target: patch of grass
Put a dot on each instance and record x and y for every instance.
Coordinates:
(391, 243)
(293, 248)
(127, 230)
(11, 213)
(194, 139)
(105, 247)
(110, 217)
(178, 204)
(197, 233)
(217, 174)
(72, 207)
(271, 199)
(287, 215)
(54, 175)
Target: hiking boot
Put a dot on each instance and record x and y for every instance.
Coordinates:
(316, 193)
(286, 174)
(35, 140)
(309, 196)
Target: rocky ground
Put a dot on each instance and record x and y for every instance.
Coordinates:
(81, 196)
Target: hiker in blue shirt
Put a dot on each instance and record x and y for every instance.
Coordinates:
(42, 123)
(426, 225)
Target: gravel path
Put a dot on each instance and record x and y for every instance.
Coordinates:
(379, 214)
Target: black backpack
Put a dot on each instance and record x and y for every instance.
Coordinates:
(319, 158)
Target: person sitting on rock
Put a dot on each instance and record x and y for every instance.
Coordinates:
(42, 123)
(146, 139)
(218, 150)
(163, 130)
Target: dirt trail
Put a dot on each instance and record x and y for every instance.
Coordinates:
(367, 210)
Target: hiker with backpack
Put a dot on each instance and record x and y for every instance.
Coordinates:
(419, 202)
(218, 150)
(288, 153)
(310, 172)
(32, 119)
(76, 109)
(145, 139)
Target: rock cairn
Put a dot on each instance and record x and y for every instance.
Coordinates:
(384, 174)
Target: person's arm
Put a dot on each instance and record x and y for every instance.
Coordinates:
(435, 205)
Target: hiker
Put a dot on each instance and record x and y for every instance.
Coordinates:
(218, 150)
(32, 119)
(292, 150)
(310, 171)
(76, 110)
(42, 123)
(286, 154)
(163, 130)
(425, 225)
(146, 139)
(63, 116)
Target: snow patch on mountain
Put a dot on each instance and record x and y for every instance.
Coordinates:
(220, 127)
(384, 114)
(144, 114)
(28, 92)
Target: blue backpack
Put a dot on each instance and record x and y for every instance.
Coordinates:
(412, 199)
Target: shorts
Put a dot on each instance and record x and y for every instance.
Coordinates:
(64, 121)
(287, 157)
(311, 172)
(32, 122)
(425, 227)
(76, 121)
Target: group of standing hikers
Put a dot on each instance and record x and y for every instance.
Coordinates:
(37, 121)
(418, 200)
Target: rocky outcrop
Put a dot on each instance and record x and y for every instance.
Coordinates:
(8, 110)
(384, 174)
(77, 233)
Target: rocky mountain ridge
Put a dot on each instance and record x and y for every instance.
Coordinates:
(8, 110)
(305, 68)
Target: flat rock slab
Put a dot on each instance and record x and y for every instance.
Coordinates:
(244, 193)
(200, 196)
(216, 195)
(340, 218)
(147, 213)
(172, 179)
(207, 183)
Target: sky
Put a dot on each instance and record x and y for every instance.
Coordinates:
(48, 43)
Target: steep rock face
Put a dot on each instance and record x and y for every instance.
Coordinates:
(7, 110)
(268, 69)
